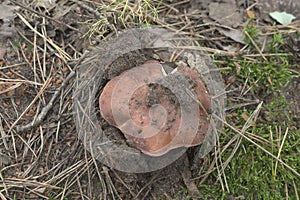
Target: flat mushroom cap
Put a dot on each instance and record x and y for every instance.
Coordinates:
(157, 111)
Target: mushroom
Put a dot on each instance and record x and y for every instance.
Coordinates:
(157, 108)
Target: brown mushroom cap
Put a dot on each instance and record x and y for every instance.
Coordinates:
(142, 104)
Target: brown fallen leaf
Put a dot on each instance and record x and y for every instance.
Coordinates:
(236, 35)
(225, 13)
(251, 14)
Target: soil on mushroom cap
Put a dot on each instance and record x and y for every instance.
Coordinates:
(164, 129)
(121, 64)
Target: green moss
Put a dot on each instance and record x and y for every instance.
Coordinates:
(269, 73)
(276, 43)
(252, 33)
(252, 173)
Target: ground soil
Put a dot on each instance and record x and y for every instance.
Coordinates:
(48, 160)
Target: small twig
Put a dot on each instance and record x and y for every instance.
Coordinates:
(296, 191)
(280, 150)
(247, 124)
(2, 196)
(154, 179)
(45, 85)
(256, 47)
(124, 184)
(186, 176)
(46, 109)
(190, 93)
(111, 186)
(207, 49)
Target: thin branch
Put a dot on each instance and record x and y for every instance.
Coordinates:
(48, 107)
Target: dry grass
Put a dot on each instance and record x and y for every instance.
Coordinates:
(41, 157)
